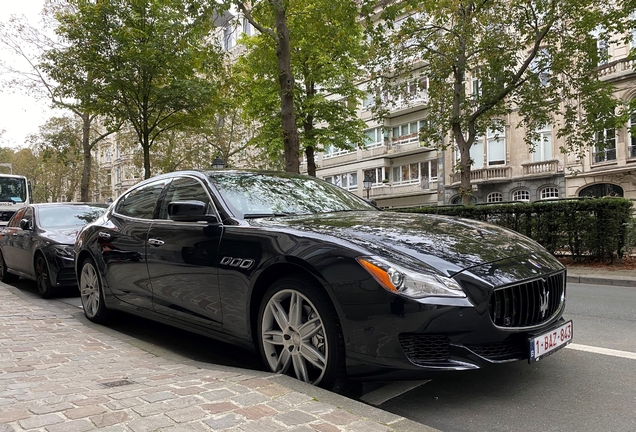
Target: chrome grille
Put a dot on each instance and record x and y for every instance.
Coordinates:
(528, 304)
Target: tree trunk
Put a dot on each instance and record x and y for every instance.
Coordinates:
(286, 81)
(86, 148)
(146, 148)
(311, 163)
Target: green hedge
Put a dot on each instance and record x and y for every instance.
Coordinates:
(589, 227)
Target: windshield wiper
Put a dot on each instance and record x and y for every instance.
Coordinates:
(263, 215)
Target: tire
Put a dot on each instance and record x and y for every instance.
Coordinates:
(42, 277)
(5, 276)
(92, 293)
(306, 345)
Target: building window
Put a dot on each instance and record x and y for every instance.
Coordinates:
(228, 37)
(601, 190)
(542, 144)
(605, 149)
(331, 151)
(521, 195)
(247, 27)
(377, 175)
(476, 86)
(494, 197)
(496, 147)
(368, 101)
(374, 137)
(407, 133)
(108, 155)
(632, 135)
(346, 181)
(549, 193)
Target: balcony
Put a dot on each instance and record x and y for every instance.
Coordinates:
(616, 69)
(542, 167)
(606, 155)
(399, 189)
(485, 174)
(338, 157)
(402, 104)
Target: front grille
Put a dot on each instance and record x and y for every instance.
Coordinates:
(6, 215)
(515, 349)
(527, 304)
(425, 348)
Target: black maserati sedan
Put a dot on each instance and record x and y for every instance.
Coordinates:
(37, 243)
(325, 286)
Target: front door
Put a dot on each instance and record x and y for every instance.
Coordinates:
(182, 260)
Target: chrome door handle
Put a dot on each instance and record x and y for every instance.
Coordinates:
(104, 235)
(155, 242)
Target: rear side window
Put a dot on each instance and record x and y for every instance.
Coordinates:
(141, 202)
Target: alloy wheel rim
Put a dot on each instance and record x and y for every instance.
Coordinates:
(293, 336)
(42, 276)
(89, 290)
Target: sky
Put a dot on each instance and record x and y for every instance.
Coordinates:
(20, 115)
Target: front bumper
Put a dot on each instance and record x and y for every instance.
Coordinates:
(392, 337)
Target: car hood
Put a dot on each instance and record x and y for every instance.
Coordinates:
(449, 245)
(62, 235)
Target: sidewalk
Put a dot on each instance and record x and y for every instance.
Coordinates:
(596, 276)
(61, 373)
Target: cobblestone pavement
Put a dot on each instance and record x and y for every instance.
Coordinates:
(59, 374)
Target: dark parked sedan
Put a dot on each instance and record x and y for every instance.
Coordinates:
(324, 285)
(38, 243)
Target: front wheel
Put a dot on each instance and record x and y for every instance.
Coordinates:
(299, 333)
(42, 277)
(91, 293)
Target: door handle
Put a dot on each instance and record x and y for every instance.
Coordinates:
(155, 242)
(104, 235)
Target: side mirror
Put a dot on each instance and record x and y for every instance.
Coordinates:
(25, 224)
(190, 211)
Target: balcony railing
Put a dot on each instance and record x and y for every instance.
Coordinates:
(542, 167)
(484, 174)
(616, 68)
(402, 189)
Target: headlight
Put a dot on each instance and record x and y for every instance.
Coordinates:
(411, 283)
(64, 251)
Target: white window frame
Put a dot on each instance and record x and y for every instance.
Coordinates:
(495, 137)
(494, 197)
(549, 192)
(521, 195)
(607, 152)
(331, 151)
(379, 174)
(378, 141)
(405, 132)
(542, 144)
(348, 181)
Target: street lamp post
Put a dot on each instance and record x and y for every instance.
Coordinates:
(367, 183)
(218, 163)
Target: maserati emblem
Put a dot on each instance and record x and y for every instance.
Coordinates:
(543, 307)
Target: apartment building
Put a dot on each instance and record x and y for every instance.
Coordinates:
(404, 173)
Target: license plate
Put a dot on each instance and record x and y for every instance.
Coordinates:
(550, 342)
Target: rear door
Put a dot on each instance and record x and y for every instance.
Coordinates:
(182, 259)
(10, 237)
(22, 250)
(123, 244)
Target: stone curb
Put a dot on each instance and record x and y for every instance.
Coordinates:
(602, 280)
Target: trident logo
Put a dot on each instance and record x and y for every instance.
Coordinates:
(543, 308)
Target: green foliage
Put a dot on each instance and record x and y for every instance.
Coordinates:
(326, 51)
(536, 58)
(578, 227)
(148, 62)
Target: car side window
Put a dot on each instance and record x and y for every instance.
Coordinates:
(183, 189)
(141, 202)
(28, 215)
(19, 215)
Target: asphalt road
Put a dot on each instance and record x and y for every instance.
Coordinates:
(588, 386)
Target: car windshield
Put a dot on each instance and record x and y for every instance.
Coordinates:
(251, 195)
(68, 216)
(13, 189)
